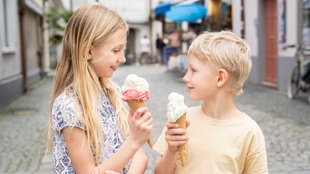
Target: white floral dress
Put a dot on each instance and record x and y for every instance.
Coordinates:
(64, 114)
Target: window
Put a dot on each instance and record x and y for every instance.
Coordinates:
(5, 34)
(306, 24)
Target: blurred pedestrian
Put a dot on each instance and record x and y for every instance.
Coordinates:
(219, 138)
(145, 47)
(89, 131)
(159, 49)
(175, 40)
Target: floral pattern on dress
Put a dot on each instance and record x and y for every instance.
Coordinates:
(65, 114)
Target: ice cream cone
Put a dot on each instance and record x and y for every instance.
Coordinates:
(182, 123)
(134, 105)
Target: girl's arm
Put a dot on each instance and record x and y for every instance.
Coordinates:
(139, 163)
(175, 137)
(81, 156)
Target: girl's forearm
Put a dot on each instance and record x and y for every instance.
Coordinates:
(121, 157)
(138, 163)
(166, 164)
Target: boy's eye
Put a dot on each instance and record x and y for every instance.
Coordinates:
(193, 69)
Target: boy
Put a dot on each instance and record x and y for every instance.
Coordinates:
(220, 137)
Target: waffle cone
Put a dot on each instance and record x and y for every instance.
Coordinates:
(182, 123)
(134, 105)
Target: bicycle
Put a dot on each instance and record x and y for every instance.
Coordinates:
(300, 76)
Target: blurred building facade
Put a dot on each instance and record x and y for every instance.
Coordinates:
(269, 26)
(24, 47)
(139, 16)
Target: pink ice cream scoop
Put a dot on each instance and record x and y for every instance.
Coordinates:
(135, 88)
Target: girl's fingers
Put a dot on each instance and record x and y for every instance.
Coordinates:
(111, 172)
(146, 116)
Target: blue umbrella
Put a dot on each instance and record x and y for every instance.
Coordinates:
(186, 13)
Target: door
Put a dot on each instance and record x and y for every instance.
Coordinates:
(271, 43)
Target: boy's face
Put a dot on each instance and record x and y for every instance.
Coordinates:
(200, 79)
(106, 58)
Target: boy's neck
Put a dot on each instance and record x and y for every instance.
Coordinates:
(222, 109)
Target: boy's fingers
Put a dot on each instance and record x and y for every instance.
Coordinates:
(171, 125)
(187, 123)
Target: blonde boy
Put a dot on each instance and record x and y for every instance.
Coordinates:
(220, 138)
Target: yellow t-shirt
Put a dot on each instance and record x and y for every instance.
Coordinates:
(234, 146)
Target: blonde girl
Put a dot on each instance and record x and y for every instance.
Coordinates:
(90, 131)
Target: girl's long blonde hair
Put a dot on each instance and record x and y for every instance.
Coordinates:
(89, 26)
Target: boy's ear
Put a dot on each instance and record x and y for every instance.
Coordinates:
(222, 77)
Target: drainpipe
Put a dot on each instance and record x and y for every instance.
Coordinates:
(151, 29)
(21, 11)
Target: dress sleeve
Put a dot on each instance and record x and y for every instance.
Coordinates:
(256, 161)
(65, 114)
(161, 144)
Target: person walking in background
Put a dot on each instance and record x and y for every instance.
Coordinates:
(145, 47)
(174, 46)
(219, 137)
(90, 130)
(159, 49)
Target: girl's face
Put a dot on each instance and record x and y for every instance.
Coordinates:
(200, 79)
(106, 58)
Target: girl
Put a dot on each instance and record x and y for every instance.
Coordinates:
(88, 130)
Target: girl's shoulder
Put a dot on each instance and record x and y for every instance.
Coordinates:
(67, 110)
(67, 99)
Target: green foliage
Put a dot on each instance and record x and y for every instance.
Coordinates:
(57, 20)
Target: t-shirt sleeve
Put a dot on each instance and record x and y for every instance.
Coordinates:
(256, 161)
(65, 114)
(161, 144)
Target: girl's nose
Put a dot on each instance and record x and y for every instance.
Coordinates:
(122, 58)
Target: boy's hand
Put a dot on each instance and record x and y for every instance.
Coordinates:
(175, 136)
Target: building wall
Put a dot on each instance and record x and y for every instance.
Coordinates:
(288, 34)
(255, 35)
(22, 30)
(11, 80)
(136, 13)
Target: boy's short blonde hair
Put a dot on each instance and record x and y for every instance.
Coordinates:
(225, 50)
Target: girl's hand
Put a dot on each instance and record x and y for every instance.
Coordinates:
(96, 171)
(140, 124)
(175, 136)
(111, 172)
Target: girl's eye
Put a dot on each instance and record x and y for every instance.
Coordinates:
(116, 51)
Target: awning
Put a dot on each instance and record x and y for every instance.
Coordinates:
(186, 13)
(166, 6)
(181, 10)
(163, 7)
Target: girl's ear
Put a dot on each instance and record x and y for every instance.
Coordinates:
(222, 77)
(89, 53)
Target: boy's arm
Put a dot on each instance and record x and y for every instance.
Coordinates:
(166, 165)
(174, 136)
(256, 161)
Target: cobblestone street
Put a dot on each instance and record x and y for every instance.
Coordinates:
(285, 123)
